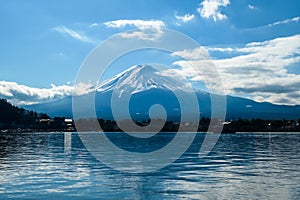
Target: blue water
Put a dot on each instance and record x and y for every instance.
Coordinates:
(241, 166)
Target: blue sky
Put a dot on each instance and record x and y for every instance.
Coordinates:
(43, 43)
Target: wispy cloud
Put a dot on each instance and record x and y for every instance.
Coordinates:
(148, 29)
(74, 34)
(274, 24)
(286, 21)
(212, 9)
(257, 70)
(93, 25)
(185, 18)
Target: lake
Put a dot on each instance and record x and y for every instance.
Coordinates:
(240, 166)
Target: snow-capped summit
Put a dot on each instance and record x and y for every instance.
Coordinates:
(140, 78)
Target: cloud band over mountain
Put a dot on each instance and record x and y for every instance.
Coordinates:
(259, 70)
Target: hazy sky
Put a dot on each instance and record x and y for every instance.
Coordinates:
(255, 44)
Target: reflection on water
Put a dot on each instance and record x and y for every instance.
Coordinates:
(241, 166)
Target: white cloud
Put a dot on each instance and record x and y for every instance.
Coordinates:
(74, 34)
(140, 24)
(193, 54)
(21, 94)
(251, 7)
(185, 18)
(148, 29)
(212, 9)
(286, 21)
(257, 70)
(24, 95)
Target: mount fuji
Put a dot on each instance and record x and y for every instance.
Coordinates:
(148, 86)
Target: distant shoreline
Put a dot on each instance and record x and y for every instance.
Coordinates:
(187, 132)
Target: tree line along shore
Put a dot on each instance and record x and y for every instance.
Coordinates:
(15, 119)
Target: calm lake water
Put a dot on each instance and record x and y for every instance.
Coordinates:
(241, 166)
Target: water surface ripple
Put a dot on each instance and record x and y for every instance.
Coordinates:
(241, 166)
